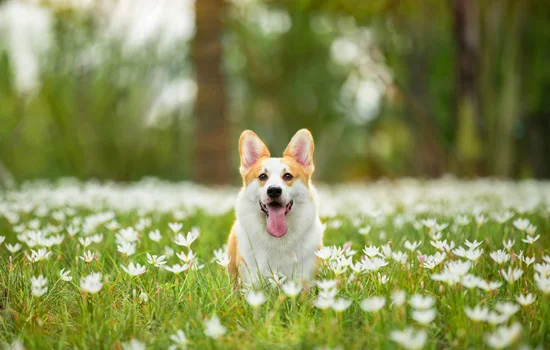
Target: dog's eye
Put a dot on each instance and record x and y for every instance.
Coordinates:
(288, 177)
(262, 177)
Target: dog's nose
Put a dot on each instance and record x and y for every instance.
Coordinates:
(274, 192)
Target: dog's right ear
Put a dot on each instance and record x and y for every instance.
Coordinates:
(251, 148)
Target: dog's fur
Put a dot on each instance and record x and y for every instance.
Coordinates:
(252, 250)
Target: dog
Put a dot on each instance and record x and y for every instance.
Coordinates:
(277, 228)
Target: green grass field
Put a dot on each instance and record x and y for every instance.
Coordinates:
(369, 299)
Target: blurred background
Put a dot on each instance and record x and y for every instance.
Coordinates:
(120, 90)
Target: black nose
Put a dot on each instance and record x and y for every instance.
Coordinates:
(274, 191)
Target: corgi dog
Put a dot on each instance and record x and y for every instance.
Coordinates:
(277, 227)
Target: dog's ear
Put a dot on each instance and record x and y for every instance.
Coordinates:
(251, 148)
(301, 148)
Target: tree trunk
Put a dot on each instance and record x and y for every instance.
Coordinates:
(212, 147)
(469, 122)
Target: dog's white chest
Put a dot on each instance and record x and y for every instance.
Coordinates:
(292, 256)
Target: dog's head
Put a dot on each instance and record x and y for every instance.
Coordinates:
(277, 185)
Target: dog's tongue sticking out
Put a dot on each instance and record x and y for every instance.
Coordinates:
(276, 220)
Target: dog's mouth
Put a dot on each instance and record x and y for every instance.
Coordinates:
(275, 206)
(275, 214)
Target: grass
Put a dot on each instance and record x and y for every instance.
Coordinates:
(67, 317)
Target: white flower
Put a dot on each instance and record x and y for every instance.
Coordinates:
(64, 275)
(179, 339)
(543, 283)
(133, 344)
(364, 230)
(155, 260)
(543, 269)
(429, 223)
(2, 239)
(175, 227)
(373, 304)
(521, 224)
(473, 254)
(39, 255)
(488, 285)
(502, 218)
(127, 235)
(374, 264)
(127, 248)
(255, 299)
(503, 336)
(328, 293)
(291, 289)
(134, 269)
(410, 338)
(531, 229)
(324, 253)
(462, 220)
(143, 298)
(477, 314)
(508, 244)
(383, 279)
(496, 318)
(530, 239)
(187, 241)
(507, 308)
(168, 251)
(223, 260)
(512, 275)
(424, 316)
(177, 268)
(88, 256)
(277, 279)
(85, 241)
(470, 281)
(371, 251)
(472, 245)
(420, 302)
(528, 261)
(398, 297)
(340, 304)
(213, 328)
(412, 246)
(526, 300)
(15, 345)
(480, 219)
(323, 303)
(91, 283)
(187, 258)
(500, 256)
(155, 236)
(399, 257)
(13, 248)
(38, 285)
(431, 261)
(386, 250)
(443, 245)
(326, 284)
(97, 238)
(470, 254)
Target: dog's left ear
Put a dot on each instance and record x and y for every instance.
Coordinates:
(301, 148)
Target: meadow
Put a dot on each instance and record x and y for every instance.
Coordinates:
(409, 263)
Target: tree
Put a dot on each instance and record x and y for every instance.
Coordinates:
(212, 144)
(469, 121)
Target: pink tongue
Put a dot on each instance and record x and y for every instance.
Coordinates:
(276, 221)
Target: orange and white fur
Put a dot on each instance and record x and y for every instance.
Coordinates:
(277, 229)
